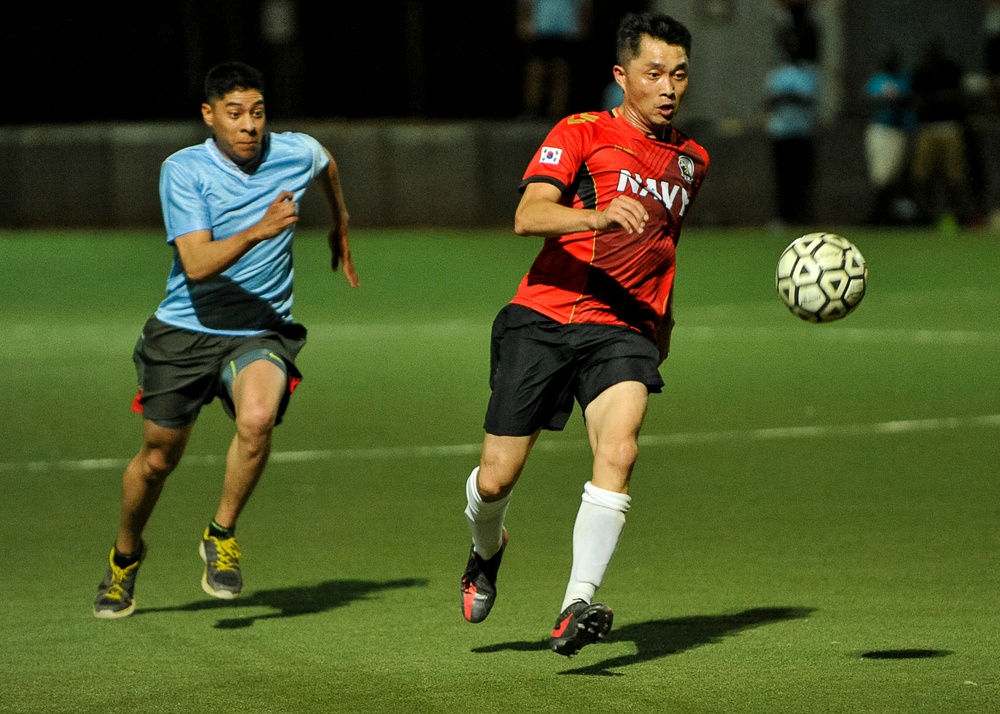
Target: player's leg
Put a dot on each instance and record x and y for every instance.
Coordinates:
(142, 483)
(530, 386)
(144, 478)
(257, 385)
(488, 491)
(175, 376)
(257, 392)
(490, 485)
(613, 422)
(614, 419)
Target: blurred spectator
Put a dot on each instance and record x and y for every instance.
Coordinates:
(279, 29)
(940, 166)
(551, 31)
(795, 18)
(991, 49)
(792, 92)
(887, 139)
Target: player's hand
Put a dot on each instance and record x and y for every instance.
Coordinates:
(624, 211)
(340, 253)
(282, 213)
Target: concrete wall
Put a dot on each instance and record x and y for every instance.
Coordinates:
(401, 173)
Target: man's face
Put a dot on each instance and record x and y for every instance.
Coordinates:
(238, 122)
(654, 82)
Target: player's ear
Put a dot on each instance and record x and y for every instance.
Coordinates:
(207, 115)
(619, 74)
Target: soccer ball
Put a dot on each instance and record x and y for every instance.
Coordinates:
(821, 277)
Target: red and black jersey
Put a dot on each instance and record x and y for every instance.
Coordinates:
(612, 277)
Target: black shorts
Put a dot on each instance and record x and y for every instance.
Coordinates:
(181, 371)
(538, 366)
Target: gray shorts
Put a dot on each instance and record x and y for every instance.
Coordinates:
(181, 371)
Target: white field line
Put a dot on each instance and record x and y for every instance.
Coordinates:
(106, 336)
(903, 426)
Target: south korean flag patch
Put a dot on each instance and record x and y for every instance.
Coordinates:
(550, 155)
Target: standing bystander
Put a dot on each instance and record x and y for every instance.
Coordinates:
(792, 92)
(940, 164)
(887, 136)
(551, 32)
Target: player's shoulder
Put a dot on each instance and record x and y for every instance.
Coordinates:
(190, 153)
(293, 140)
(190, 159)
(587, 118)
(584, 123)
(686, 145)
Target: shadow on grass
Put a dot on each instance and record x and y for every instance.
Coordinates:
(292, 601)
(661, 638)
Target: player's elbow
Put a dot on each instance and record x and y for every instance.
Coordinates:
(196, 273)
(522, 224)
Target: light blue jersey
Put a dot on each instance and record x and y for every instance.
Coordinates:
(796, 88)
(556, 18)
(201, 189)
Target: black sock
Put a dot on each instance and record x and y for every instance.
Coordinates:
(123, 561)
(217, 531)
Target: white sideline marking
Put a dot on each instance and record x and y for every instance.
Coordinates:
(902, 426)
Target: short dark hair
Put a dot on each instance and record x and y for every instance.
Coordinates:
(660, 27)
(230, 76)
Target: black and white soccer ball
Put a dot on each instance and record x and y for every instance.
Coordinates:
(821, 277)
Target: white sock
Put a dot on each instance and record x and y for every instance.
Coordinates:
(485, 519)
(599, 525)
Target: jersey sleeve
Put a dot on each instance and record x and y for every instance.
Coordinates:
(702, 167)
(561, 155)
(184, 208)
(319, 157)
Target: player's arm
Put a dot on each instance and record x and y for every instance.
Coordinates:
(540, 213)
(203, 257)
(340, 246)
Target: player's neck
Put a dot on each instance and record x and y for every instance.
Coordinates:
(657, 133)
(246, 165)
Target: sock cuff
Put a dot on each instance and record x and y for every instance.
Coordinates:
(608, 499)
(477, 505)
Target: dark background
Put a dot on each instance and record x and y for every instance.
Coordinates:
(146, 61)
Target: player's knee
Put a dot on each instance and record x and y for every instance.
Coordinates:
(157, 464)
(255, 424)
(620, 455)
(495, 482)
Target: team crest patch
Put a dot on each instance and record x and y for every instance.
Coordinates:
(687, 167)
(551, 155)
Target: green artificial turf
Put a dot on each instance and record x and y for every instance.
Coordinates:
(814, 525)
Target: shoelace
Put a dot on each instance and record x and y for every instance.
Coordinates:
(116, 591)
(227, 554)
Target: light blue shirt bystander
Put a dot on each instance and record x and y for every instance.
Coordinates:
(556, 18)
(792, 91)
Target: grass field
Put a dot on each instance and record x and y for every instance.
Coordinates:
(815, 525)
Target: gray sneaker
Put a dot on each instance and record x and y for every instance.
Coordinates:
(222, 577)
(116, 593)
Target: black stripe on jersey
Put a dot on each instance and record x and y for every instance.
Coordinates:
(585, 188)
(542, 179)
